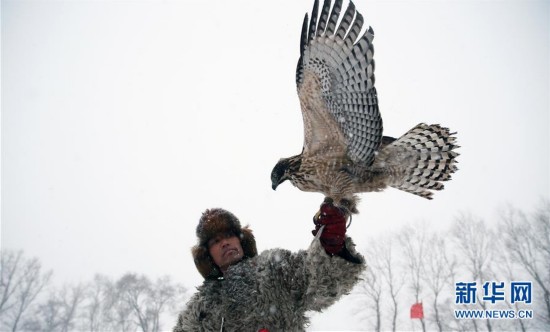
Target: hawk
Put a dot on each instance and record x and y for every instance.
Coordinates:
(344, 151)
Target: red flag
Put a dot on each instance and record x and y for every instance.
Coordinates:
(417, 311)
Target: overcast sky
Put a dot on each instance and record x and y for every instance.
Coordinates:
(123, 120)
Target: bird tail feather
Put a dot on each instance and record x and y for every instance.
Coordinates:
(420, 159)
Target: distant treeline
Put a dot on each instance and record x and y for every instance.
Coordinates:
(29, 302)
(471, 268)
(475, 270)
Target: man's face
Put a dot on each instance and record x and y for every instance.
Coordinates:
(225, 249)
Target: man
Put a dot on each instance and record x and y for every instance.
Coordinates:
(244, 291)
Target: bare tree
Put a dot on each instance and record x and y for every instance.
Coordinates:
(518, 250)
(393, 278)
(134, 291)
(101, 305)
(541, 239)
(47, 317)
(148, 300)
(119, 312)
(413, 244)
(475, 243)
(373, 288)
(439, 267)
(528, 241)
(10, 262)
(24, 281)
(57, 312)
(71, 298)
(508, 268)
(163, 294)
(95, 312)
(370, 288)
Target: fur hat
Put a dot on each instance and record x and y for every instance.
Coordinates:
(219, 221)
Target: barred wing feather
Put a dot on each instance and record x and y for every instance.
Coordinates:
(335, 82)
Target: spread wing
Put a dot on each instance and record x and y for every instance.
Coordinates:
(335, 81)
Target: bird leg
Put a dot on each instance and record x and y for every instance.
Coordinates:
(349, 205)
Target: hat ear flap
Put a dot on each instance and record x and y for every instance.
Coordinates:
(204, 263)
(248, 242)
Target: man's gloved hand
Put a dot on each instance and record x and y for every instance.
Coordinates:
(334, 234)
